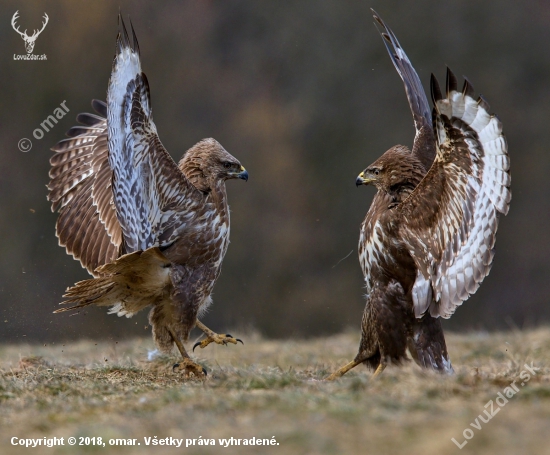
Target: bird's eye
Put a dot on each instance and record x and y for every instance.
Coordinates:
(227, 165)
(376, 172)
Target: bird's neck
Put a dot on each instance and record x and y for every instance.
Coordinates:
(219, 196)
(193, 172)
(212, 186)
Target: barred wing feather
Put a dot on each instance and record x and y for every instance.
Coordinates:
(151, 194)
(452, 216)
(80, 189)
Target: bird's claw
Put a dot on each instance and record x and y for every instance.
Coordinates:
(188, 367)
(236, 339)
(218, 339)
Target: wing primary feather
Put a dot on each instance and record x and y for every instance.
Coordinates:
(100, 107)
(125, 33)
(376, 17)
(424, 146)
(79, 130)
(435, 90)
(88, 119)
(136, 44)
(468, 89)
(451, 82)
(482, 102)
(413, 86)
(119, 43)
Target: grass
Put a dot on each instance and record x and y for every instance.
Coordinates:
(273, 388)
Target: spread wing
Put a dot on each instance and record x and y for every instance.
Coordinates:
(80, 189)
(153, 198)
(424, 145)
(450, 220)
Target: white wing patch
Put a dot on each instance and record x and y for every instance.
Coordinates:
(128, 190)
(421, 294)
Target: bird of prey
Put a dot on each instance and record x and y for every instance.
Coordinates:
(427, 241)
(151, 232)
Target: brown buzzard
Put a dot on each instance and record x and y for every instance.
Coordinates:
(151, 232)
(428, 239)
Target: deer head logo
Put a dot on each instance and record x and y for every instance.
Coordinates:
(29, 40)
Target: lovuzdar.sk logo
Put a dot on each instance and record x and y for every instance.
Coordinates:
(29, 40)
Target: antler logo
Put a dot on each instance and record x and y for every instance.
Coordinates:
(29, 40)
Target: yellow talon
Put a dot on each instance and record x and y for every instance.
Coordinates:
(342, 371)
(218, 339)
(213, 337)
(190, 368)
(379, 370)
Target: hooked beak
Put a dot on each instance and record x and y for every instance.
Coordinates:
(362, 180)
(243, 175)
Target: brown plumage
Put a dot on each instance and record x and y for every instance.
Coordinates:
(80, 189)
(152, 232)
(427, 241)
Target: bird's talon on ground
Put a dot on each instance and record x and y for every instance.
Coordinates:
(189, 369)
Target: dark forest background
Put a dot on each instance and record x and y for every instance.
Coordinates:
(304, 94)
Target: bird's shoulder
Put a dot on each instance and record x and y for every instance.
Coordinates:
(204, 238)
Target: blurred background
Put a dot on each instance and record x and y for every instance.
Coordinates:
(304, 94)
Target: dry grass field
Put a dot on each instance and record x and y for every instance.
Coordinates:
(268, 389)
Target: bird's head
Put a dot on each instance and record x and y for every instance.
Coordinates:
(396, 169)
(207, 161)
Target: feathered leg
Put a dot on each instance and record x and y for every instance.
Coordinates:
(368, 346)
(427, 344)
(166, 334)
(383, 331)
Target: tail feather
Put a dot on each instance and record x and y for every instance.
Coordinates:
(88, 292)
(128, 284)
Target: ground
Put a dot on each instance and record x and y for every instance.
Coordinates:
(268, 389)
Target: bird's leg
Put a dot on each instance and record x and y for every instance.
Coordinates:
(214, 337)
(186, 365)
(379, 370)
(342, 371)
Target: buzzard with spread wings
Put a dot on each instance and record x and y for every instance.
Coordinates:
(151, 232)
(427, 241)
